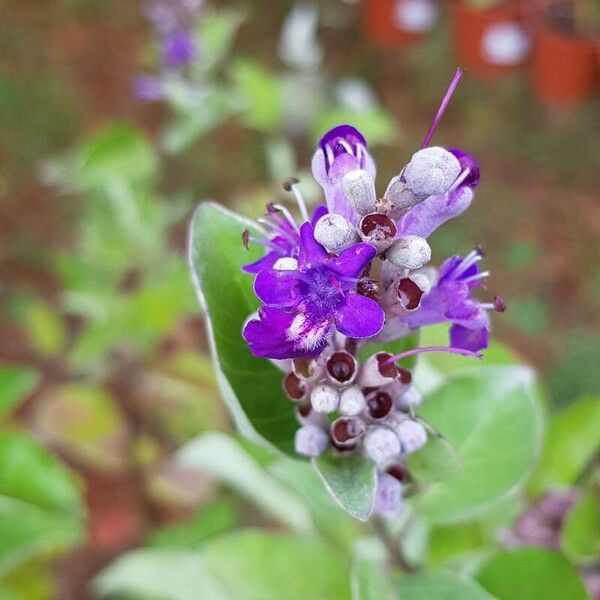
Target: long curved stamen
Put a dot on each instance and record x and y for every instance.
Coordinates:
(444, 104)
(300, 201)
(288, 215)
(481, 275)
(459, 180)
(473, 257)
(277, 229)
(425, 349)
(330, 156)
(266, 243)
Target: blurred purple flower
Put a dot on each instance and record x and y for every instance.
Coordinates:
(179, 49)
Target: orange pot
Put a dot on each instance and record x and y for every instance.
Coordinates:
(383, 27)
(565, 68)
(472, 25)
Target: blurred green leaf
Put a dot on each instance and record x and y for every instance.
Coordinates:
(491, 416)
(377, 124)
(15, 383)
(447, 543)
(261, 92)
(250, 386)
(40, 509)
(580, 535)
(531, 574)
(215, 33)
(46, 329)
(440, 585)
(572, 439)
(437, 460)
(521, 254)
(212, 520)
(369, 576)
(530, 315)
(351, 481)
(223, 458)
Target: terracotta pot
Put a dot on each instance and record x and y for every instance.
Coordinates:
(386, 26)
(564, 69)
(491, 41)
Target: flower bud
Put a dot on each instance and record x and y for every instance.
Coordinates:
(311, 440)
(381, 444)
(409, 399)
(285, 263)
(307, 369)
(359, 189)
(376, 371)
(388, 495)
(378, 230)
(335, 233)
(398, 198)
(410, 252)
(379, 404)
(294, 387)
(412, 435)
(324, 398)
(431, 172)
(352, 401)
(341, 368)
(404, 296)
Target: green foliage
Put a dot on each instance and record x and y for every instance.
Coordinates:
(580, 537)
(225, 292)
(15, 383)
(440, 585)
(531, 574)
(350, 481)
(369, 578)
(491, 416)
(572, 440)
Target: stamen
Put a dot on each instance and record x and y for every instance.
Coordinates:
(287, 214)
(278, 229)
(499, 304)
(459, 180)
(330, 156)
(246, 238)
(444, 104)
(425, 349)
(481, 275)
(267, 243)
(300, 201)
(473, 257)
(359, 153)
(347, 146)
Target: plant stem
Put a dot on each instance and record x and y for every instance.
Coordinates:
(393, 547)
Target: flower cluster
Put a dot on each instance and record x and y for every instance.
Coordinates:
(355, 273)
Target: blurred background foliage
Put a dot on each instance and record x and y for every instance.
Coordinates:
(105, 382)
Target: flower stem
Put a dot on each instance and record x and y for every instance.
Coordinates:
(393, 547)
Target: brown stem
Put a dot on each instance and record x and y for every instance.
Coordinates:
(351, 346)
(394, 549)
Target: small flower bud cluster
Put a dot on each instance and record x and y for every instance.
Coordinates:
(354, 408)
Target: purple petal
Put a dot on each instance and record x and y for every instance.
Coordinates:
(319, 212)
(469, 339)
(468, 161)
(266, 262)
(179, 49)
(360, 317)
(426, 217)
(277, 288)
(147, 88)
(311, 252)
(468, 314)
(347, 132)
(352, 261)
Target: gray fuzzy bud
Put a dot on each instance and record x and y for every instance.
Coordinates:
(352, 401)
(335, 233)
(324, 398)
(409, 399)
(381, 444)
(286, 263)
(412, 435)
(410, 252)
(388, 496)
(399, 198)
(310, 440)
(359, 189)
(431, 172)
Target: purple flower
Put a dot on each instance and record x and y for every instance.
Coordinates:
(304, 306)
(147, 88)
(179, 49)
(450, 300)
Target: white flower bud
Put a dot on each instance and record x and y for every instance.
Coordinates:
(310, 440)
(286, 263)
(394, 419)
(431, 172)
(381, 444)
(410, 251)
(359, 189)
(335, 233)
(376, 372)
(378, 230)
(422, 281)
(324, 398)
(409, 399)
(352, 401)
(399, 199)
(388, 496)
(412, 435)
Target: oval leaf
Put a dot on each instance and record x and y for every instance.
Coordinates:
(441, 585)
(351, 481)
(437, 460)
(250, 386)
(492, 419)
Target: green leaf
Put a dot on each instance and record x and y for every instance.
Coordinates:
(15, 383)
(369, 576)
(250, 386)
(531, 574)
(573, 438)
(351, 481)
(440, 585)
(580, 535)
(377, 124)
(223, 458)
(492, 419)
(216, 32)
(437, 460)
(245, 565)
(40, 509)
(254, 564)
